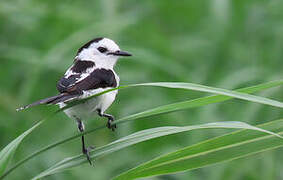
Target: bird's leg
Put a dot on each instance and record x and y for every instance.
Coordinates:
(110, 120)
(84, 149)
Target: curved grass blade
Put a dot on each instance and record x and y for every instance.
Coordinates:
(191, 86)
(195, 102)
(142, 136)
(7, 153)
(156, 111)
(228, 147)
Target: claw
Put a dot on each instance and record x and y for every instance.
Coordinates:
(86, 152)
(110, 120)
(110, 125)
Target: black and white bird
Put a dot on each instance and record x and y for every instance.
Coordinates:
(92, 72)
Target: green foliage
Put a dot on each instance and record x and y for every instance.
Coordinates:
(196, 87)
(152, 133)
(167, 108)
(230, 146)
(7, 153)
(224, 44)
(155, 133)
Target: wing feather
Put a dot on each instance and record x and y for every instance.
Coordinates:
(73, 86)
(98, 78)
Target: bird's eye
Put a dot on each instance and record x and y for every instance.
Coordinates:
(102, 49)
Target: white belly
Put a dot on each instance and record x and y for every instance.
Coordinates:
(89, 108)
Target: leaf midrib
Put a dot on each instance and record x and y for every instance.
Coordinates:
(213, 150)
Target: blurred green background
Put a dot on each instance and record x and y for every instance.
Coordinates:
(220, 43)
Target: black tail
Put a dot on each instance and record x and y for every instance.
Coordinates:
(50, 100)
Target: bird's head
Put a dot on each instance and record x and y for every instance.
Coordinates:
(102, 51)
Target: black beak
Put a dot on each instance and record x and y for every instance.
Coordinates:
(120, 53)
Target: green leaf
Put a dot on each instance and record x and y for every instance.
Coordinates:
(191, 86)
(7, 153)
(228, 147)
(140, 137)
(196, 102)
(155, 111)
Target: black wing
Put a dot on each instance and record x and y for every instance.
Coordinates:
(71, 87)
(66, 83)
(99, 78)
(76, 71)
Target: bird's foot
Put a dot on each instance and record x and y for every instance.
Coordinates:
(110, 125)
(86, 152)
(110, 120)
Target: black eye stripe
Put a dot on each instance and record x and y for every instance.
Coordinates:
(102, 49)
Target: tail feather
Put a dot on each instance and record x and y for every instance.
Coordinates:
(50, 100)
